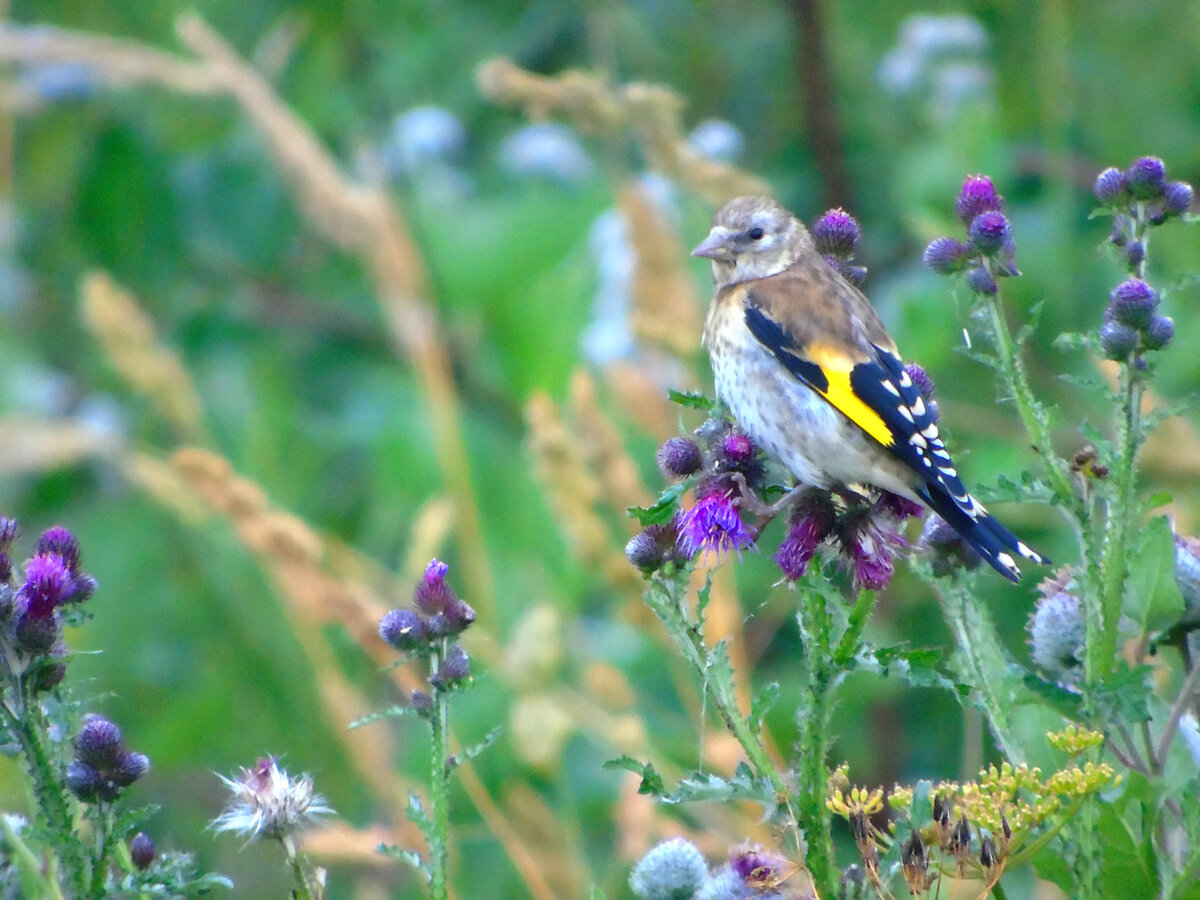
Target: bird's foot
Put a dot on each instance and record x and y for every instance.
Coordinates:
(753, 504)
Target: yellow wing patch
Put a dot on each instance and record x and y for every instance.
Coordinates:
(836, 368)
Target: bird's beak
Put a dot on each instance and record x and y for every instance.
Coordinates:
(716, 245)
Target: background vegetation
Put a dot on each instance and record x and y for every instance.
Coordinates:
(378, 354)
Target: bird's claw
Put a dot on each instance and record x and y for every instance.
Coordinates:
(748, 500)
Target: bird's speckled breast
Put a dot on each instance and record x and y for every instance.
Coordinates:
(817, 444)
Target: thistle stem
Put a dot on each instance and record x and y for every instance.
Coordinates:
(29, 727)
(439, 784)
(1033, 414)
(813, 722)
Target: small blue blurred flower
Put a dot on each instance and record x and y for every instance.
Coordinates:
(717, 139)
(422, 135)
(546, 150)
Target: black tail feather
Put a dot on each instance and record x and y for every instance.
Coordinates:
(995, 543)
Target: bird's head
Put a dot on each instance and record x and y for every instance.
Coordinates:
(753, 237)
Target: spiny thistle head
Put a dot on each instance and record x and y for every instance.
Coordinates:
(978, 195)
(836, 233)
(267, 802)
(672, 870)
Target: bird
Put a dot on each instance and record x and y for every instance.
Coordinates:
(809, 372)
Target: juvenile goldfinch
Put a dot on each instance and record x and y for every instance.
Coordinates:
(811, 374)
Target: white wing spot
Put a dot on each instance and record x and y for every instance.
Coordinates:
(948, 471)
(918, 407)
(905, 381)
(925, 459)
(904, 411)
(1008, 562)
(918, 441)
(930, 432)
(891, 387)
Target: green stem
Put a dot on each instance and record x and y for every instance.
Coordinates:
(813, 723)
(1028, 851)
(104, 836)
(301, 890)
(665, 597)
(48, 790)
(1033, 414)
(1114, 566)
(981, 663)
(439, 784)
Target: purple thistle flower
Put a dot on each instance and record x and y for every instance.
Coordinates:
(946, 256)
(990, 233)
(1135, 254)
(868, 546)
(738, 449)
(981, 281)
(1177, 198)
(47, 583)
(811, 522)
(1117, 340)
(714, 525)
(899, 507)
(920, 378)
(1131, 303)
(99, 742)
(141, 851)
(655, 546)
(432, 594)
(455, 668)
(1111, 187)
(8, 532)
(59, 540)
(856, 275)
(1146, 177)
(679, 457)
(978, 195)
(1159, 332)
(946, 548)
(756, 867)
(404, 629)
(836, 233)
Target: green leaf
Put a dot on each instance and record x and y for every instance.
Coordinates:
(661, 511)
(1073, 340)
(719, 674)
(652, 782)
(1154, 501)
(1065, 701)
(707, 787)
(392, 712)
(416, 813)
(691, 399)
(703, 595)
(1152, 594)
(412, 857)
(475, 749)
(1125, 831)
(916, 666)
(763, 701)
(1122, 696)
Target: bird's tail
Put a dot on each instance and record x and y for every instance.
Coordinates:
(988, 537)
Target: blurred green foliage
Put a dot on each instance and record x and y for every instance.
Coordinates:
(304, 394)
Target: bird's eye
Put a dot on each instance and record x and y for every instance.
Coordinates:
(756, 234)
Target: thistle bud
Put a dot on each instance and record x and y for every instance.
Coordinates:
(946, 256)
(1110, 188)
(679, 457)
